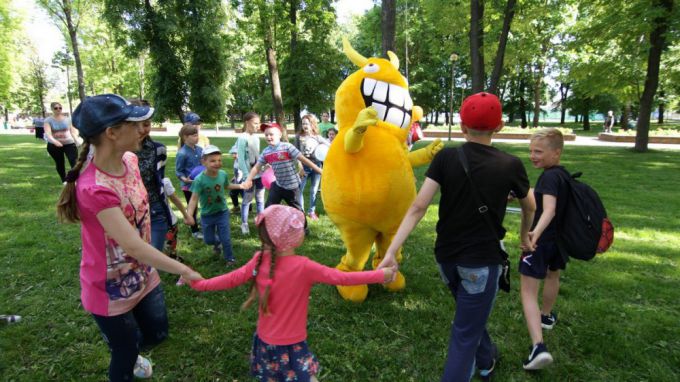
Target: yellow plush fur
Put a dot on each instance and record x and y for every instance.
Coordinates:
(368, 182)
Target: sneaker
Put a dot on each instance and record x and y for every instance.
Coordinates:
(548, 321)
(236, 210)
(180, 282)
(142, 368)
(198, 235)
(312, 216)
(538, 358)
(244, 229)
(10, 318)
(217, 249)
(487, 374)
(231, 263)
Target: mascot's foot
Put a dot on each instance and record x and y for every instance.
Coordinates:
(354, 293)
(398, 284)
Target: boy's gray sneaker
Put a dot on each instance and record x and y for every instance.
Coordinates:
(548, 321)
(217, 248)
(198, 235)
(539, 357)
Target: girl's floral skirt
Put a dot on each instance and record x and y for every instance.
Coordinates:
(282, 362)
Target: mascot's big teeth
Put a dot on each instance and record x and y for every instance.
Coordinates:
(392, 102)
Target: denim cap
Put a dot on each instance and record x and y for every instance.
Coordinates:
(210, 149)
(285, 226)
(192, 118)
(99, 112)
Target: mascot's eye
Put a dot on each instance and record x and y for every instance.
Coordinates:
(371, 68)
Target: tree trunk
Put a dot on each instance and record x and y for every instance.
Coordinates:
(586, 115)
(436, 118)
(657, 40)
(477, 44)
(575, 118)
(502, 43)
(662, 106)
(272, 66)
(624, 117)
(388, 16)
(297, 121)
(564, 92)
(538, 82)
(522, 104)
(73, 34)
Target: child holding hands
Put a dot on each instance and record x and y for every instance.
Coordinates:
(541, 260)
(280, 339)
(209, 187)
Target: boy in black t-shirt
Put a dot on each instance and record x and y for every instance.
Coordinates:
(541, 260)
(467, 249)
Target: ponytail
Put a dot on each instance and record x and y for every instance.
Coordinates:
(67, 206)
(266, 242)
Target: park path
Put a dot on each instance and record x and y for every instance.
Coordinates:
(230, 133)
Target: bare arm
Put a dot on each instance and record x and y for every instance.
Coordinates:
(549, 206)
(309, 164)
(117, 227)
(188, 219)
(528, 206)
(249, 180)
(413, 215)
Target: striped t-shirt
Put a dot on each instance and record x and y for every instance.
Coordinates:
(283, 159)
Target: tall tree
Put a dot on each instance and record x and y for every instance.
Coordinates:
(657, 41)
(67, 14)
(267, 15)
(477, 44)
(388, 18)
(508, 15)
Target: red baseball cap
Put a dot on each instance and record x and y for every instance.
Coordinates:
(481, 111)
(267, 125)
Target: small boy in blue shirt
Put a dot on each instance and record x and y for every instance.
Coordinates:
(541, 260)
(209, 187)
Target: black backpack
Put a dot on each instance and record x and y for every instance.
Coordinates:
(583, 230)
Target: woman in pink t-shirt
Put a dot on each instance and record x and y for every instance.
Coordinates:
(282, 281)
(120, 286)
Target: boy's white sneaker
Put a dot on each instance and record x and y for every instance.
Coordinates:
(143, 368)
(244, 229)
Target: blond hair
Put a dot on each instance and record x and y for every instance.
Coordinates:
(187, 129)
(551, 135)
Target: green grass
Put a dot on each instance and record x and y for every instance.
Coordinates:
(618, 313)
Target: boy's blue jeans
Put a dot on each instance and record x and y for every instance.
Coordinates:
(144, 326)
(216, 229)
(315, 180)
(474, 289)
(159, 224)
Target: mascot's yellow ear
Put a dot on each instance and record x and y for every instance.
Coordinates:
(352, 54)
(393, 59)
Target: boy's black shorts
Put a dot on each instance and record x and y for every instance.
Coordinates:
(536, 264)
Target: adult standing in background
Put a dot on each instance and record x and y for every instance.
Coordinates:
(609, 122)
(60, 136)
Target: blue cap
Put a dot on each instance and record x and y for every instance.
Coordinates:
(99, 112)
(192, 118)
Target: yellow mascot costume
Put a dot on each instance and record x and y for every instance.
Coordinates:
(368, 182)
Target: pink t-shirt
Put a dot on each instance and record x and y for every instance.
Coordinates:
(112, 282)
(294, 277)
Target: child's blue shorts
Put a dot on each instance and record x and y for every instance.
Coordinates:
(536, 264)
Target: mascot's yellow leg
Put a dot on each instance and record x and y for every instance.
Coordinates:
(383, 242)
(358, 240)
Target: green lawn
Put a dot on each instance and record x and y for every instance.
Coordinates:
(618, 313)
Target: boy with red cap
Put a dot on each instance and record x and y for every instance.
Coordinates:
(283, 157)
(467, 248)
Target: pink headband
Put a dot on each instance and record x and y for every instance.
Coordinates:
(285, 226)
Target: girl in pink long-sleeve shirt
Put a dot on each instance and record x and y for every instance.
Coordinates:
(281, 281)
